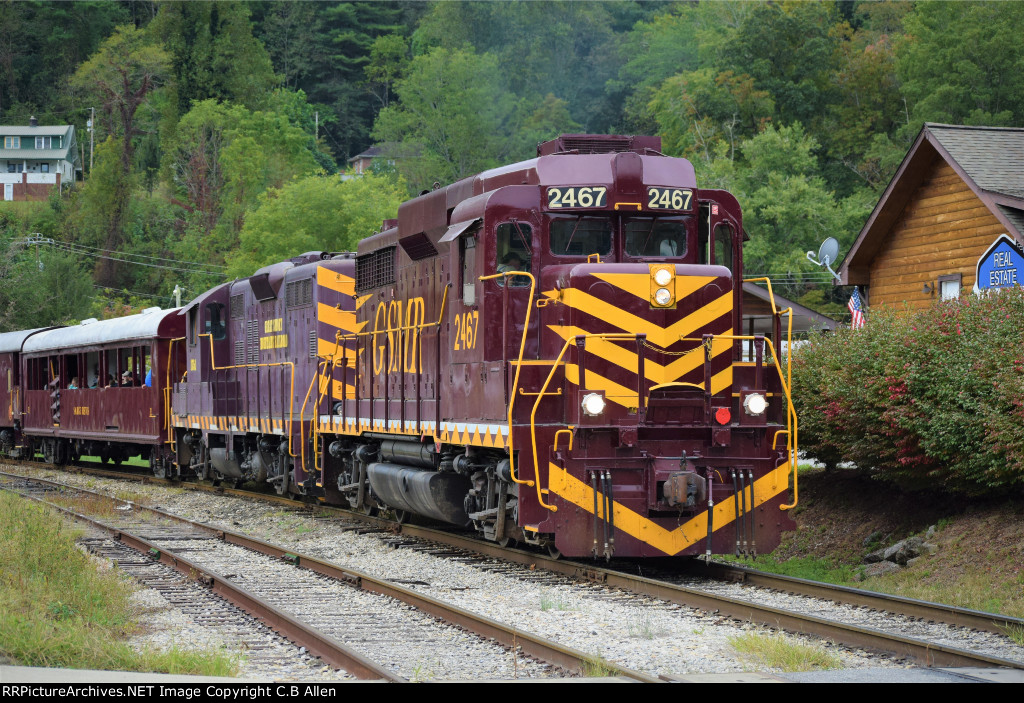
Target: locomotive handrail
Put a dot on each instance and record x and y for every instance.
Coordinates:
(515, 380)
(291, 403)
(540, 396)
(791, 420)
(167, 394)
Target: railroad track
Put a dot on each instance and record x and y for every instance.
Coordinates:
(670, 588)
(319, 604)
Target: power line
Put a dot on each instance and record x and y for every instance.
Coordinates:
(135, 293)
(83, 250)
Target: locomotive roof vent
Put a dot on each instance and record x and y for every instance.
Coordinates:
(89, 321)
(599, 144)
(149, 310)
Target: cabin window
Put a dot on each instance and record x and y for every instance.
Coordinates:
(581, 236)
(192, 314)
(656, 237)
(216, 325)
(467, 266)
(723, 245)
(949, 286)
(92, 370)
(72, 372)
(514, 246)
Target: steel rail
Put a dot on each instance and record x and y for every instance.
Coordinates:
(318, 643)
(567, 658)
(856, 636)
(911, 607)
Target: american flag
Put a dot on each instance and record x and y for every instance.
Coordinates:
(856, 310)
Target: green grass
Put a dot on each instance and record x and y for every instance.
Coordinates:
(58, 610)
(597, 668)
(779, 651)
(812, 568)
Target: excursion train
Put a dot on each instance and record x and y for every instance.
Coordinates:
(548, 353)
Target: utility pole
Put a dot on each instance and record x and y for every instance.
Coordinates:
(177, 296)
(317, 122)
(92, 131)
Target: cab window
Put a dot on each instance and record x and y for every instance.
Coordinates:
(723, 246)
(656, 237)
(514, 245)
(581, 236)
(216, 325)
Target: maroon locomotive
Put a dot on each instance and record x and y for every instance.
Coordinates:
(551, 353)
(547, 352)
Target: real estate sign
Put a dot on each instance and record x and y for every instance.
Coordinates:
(1002, 266)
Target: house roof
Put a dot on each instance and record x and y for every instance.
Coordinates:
(372, 152)
(59, 130)
(804, 319)
(34, 154)
(990, 160)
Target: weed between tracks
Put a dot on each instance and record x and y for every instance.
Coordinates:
(58, 610)
(778, 651)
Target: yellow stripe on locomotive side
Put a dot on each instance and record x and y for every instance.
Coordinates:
(335, 281)
(626, 321)
(344, 320)
(327, 348)
(673, 541)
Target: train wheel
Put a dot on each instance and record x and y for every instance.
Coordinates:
(402, 516)
(507, 543)
(369, 509)
(104, 457)
(48, 452)
(553, 551)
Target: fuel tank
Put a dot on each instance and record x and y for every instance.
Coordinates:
(429, 493)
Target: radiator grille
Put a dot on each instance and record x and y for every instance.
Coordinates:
(375, 269)
(252, 341)
(299, 293)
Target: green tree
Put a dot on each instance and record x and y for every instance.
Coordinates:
(121, 76)
(315, 213)
(452, 119)
(963, 64)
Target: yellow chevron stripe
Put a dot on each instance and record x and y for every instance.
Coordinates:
(639, 284)
(721, 380)
(325, 348)
(342, 319)
(614, 392)
(630, 361)
(362, 299)
(335, 281)
(627, 397)
(628, 322)
(635, 525)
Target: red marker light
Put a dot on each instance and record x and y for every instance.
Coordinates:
(723, 416)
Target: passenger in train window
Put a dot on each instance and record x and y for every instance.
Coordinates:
(73, 386)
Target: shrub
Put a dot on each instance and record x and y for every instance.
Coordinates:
(929, 399)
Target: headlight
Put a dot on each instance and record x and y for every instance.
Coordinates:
(755, 404)
(663, 277)
(593, 404)
(663, 297)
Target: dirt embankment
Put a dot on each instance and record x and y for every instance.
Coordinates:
(979, 561)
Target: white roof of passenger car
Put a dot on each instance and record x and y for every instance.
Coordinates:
(12, 341)
(146, 325)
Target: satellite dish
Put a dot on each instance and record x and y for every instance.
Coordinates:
(827, 253)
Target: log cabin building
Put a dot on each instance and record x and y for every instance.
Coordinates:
(957, 191)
